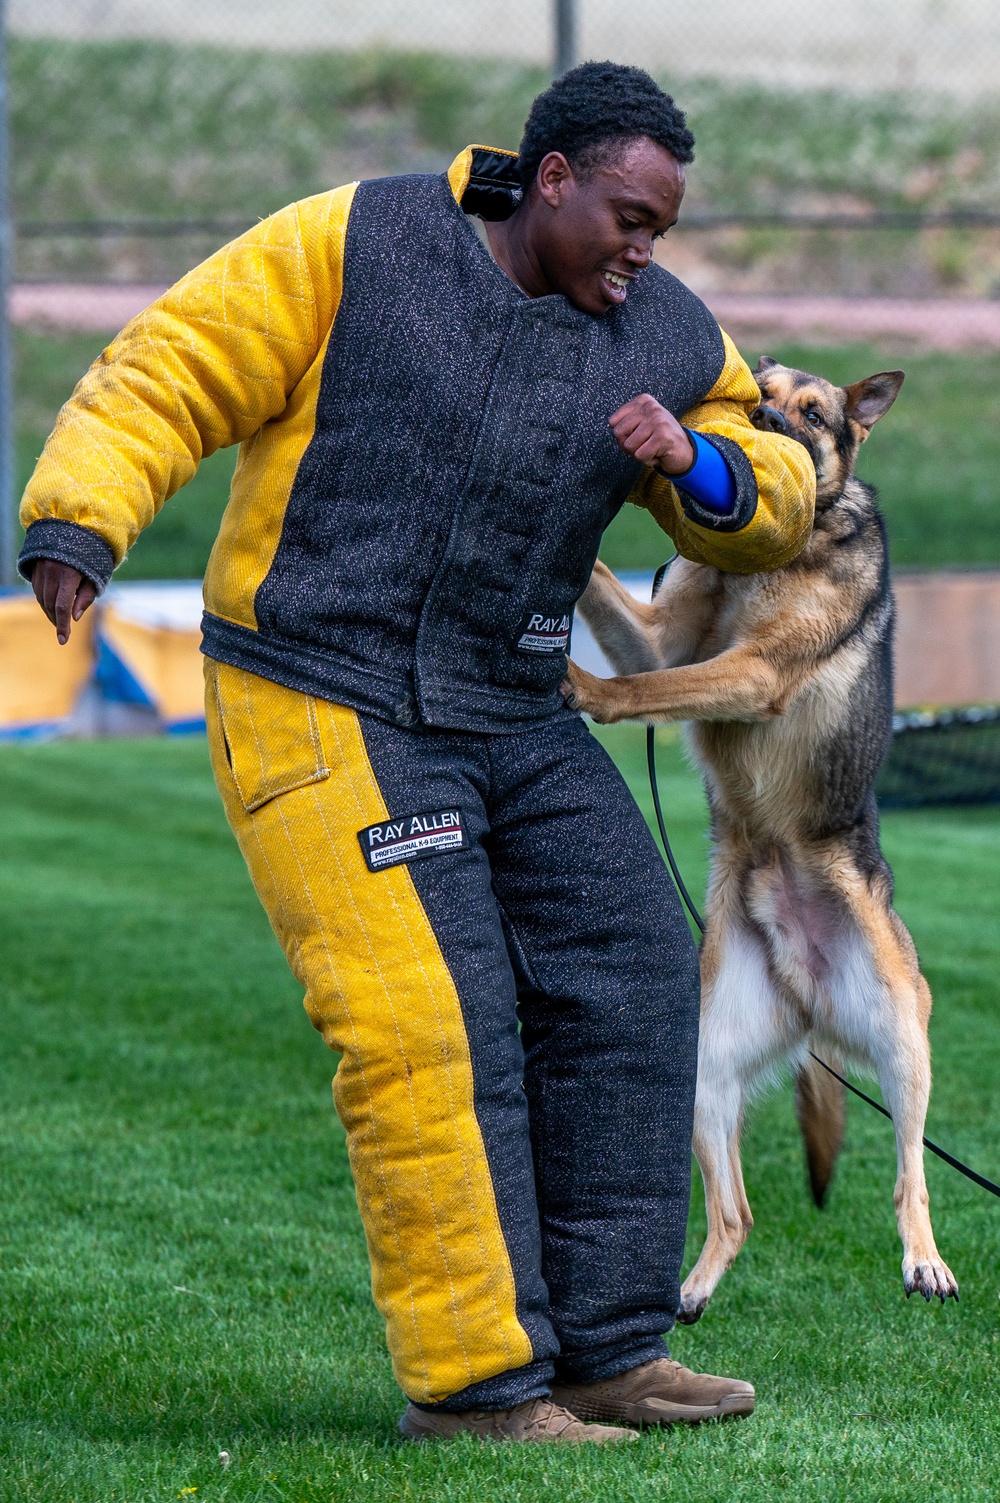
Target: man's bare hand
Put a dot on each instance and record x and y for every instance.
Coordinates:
(62, 593)
(652, 435)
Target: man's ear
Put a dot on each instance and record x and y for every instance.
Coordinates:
(554, 172)
(764, 364)
(871, 399)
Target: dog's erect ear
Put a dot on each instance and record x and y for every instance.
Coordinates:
(764, 364)
(871, 399)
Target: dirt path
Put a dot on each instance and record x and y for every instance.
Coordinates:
(931, 324)
(926, 323)
(102, 308)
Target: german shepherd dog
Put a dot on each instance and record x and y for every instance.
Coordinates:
(786, 678)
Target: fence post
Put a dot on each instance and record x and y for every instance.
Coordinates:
(8, 467)
(565, 29)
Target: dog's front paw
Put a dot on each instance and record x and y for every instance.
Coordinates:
(692, 1306)
(929, 1277)
(583, 691)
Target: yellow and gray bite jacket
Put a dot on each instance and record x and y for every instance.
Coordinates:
(426, 466)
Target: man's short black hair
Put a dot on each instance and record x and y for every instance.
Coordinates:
(594, 109)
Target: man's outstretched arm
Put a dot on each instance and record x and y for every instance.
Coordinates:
(206, 366)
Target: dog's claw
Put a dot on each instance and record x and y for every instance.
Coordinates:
(930, 1277)
(583, 692)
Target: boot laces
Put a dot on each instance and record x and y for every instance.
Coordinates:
(545, 1418)
(669, 1363)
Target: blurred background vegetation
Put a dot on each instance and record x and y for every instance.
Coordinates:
(156, 130)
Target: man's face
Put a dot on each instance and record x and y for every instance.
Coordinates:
(593, 235)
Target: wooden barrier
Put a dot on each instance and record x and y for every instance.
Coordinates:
(947, 637)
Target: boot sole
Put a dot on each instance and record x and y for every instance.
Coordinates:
(649, 1412)
(417, 1435)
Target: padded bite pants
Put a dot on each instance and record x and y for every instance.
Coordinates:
(517, 1022)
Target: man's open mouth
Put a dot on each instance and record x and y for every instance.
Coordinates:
(615, 285)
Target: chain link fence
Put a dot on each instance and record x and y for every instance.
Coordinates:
(937, 45)
(852, 148)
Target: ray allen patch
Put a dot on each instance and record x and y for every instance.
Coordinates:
(410, 837)
(539, 632)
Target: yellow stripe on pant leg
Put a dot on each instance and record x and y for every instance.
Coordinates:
(379, 990)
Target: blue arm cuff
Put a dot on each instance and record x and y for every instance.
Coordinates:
(709, 480)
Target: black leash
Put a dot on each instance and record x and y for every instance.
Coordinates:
(654, 787)
(977, 1179)
(674, 869)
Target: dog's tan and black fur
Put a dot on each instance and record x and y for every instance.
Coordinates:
(786, 679)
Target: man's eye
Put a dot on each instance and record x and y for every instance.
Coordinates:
(814, 419)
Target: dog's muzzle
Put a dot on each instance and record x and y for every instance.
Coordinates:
(768, 420)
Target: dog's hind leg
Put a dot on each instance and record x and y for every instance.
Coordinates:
(882, 1010)
(745, 1031)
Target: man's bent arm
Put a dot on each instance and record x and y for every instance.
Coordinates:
(205, 366)
(772, 516)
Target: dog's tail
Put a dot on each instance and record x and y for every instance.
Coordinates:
(819, 1106)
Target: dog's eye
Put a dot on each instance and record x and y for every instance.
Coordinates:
(813, 418)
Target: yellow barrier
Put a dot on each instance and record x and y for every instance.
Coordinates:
(40, 681)
(139, 645)
(156, 665)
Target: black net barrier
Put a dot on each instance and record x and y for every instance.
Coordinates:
(942, 757)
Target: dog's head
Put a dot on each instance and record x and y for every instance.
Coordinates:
(832, 422)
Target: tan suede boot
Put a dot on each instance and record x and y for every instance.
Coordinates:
(657, 1393)
(538, 1420)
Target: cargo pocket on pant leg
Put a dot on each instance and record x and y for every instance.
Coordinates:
(272, 736)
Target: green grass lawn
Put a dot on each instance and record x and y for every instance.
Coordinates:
(183, 1268)
(935, 459)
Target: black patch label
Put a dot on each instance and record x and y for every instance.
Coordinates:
(539, 632)
(410, 837)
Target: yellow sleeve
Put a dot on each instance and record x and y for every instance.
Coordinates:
(205, 366)
(786, 483)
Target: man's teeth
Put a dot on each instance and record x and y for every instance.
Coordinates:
(615, 280)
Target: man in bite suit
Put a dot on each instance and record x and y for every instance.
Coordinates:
(444, 388)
